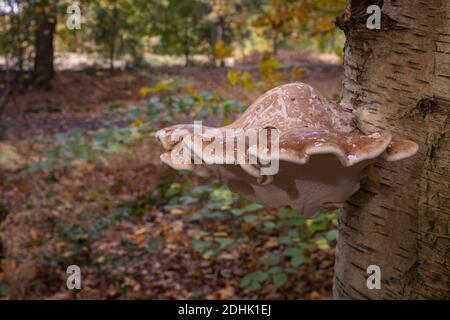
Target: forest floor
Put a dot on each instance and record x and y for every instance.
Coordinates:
(135, 227)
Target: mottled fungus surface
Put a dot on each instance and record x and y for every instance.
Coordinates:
(292, 147)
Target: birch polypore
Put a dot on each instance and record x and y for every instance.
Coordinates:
(318, 153)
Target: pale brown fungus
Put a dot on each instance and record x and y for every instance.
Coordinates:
(322, 155)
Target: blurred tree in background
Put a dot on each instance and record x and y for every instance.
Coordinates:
(31, 31)
(182, 27)
(278, 19)
(45, 15)
(118, 26)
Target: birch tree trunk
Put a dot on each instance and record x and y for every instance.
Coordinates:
(398, 78)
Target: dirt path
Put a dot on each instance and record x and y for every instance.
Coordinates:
(78, 98)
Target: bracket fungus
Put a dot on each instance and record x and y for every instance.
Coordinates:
(291, 148)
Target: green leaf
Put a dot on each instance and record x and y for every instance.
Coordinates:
(245, 281)
(332, 234)
(284, 240)
(201, 245)
(294, 222)
(237, 212)
(269, 225)
(286, 213)
(252, 208)
(255, 285)
(279, 279)
(201, 191)
(39, 165)
(298, 260)
(187, 200)
(291, 271)
(322, 243)
(173, 190)
(262, 276)
(275, 270)
(250, 218)
(304, 246)
(292, 252)
(3, 289)
(224, 242)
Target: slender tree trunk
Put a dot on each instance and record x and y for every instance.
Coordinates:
(111, 55)
(187, 60)
(275, 43)
(219, 36)
(399, 78)
(186, 50)
(113, 36)
(45, 30)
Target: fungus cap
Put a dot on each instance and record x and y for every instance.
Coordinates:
(320, 154)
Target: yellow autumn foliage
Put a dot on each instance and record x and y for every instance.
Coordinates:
(222, 51)
(297, 73)
(144, 91)
(244, 79)
(268, 65)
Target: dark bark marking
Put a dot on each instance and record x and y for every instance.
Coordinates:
(426, 106)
